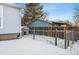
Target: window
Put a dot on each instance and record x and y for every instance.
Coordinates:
(1, 16)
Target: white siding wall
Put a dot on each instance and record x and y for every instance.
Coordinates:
(1, 16)
(11, 20)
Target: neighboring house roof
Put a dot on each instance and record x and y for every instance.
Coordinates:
(43, 23)
(58, 22)
(39, 23)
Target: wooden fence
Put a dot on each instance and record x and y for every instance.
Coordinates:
(67, 35)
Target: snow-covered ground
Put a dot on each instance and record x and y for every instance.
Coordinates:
(39, 46)
(60, 42)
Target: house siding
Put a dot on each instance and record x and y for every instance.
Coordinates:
(11, 23)
(11, 20)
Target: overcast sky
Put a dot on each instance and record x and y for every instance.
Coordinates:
(58, 11)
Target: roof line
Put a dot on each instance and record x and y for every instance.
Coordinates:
(10, 5)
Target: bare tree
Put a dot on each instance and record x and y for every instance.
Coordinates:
(76, 16)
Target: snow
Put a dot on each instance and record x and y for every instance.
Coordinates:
(60, 42)
(26, 45)
(74, 49)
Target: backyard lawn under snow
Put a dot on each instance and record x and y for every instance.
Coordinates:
(40, 46)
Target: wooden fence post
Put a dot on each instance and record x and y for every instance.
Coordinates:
(72, 35)
(75, 33)
(34, 34)
(56, 37)
(68, 38)
(65, 39)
